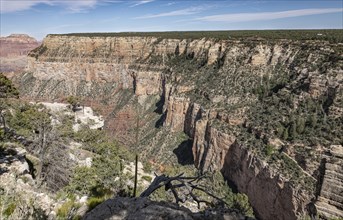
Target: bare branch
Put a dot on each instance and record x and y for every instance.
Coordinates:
(189, 183)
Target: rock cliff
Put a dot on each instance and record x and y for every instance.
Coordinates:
(330, 199)
(236, 100)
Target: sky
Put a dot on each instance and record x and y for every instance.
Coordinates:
(41, 17)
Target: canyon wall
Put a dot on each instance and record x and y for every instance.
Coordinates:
(330, 201)
(212, 90)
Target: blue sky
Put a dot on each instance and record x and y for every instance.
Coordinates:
(41, 17)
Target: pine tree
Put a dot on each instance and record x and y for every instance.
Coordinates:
(285, 134)
(293, 130)
(7, 90)
(280, 130)
(313, 120)
(300, 125)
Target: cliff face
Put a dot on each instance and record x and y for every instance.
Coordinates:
(233, 98)
(268, 189)
(330, 198)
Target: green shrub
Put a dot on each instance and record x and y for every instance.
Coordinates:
(94, 201)
(280, 130)
(147, 178)
(269, 150)
(300, 125)
(220, 188)
(161, 195)
(77, 217)
(83, 180)
(28, 118)
(89, 136)
(74, 102)
(147, 166)
(285, 134)
(2, 134)
(241, 202)
(9, 209)
(65, 128)
(64, 211)
(7, 89)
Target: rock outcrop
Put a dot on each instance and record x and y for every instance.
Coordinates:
(143, 208)
(207, 88)
(330, 201)
(18, 188)
(216, 150)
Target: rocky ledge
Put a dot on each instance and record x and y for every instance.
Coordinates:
(144, 209)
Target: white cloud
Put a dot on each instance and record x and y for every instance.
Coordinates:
(241, 17)
(170, 3)
(8, 6)
(141, 2)
(78, 6)
(187, 11)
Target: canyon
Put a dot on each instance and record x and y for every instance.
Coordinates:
(242, 103)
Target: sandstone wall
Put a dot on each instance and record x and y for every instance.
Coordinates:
(330, 201)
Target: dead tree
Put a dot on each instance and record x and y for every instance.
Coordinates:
(189, 184)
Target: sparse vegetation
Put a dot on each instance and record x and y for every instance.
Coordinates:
(334, 36)
(7, 90)
(94, 201)
(67, 210)
(74, 102)
(147, 178)
(9, 209)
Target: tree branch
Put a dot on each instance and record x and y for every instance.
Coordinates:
(189, 183)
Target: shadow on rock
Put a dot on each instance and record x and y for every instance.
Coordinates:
(184, 153)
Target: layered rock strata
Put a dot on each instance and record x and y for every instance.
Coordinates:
(14, 50)
(330, 201)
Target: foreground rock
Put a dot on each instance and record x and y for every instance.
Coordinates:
(20, 196)
(144, 209)
(83, 115)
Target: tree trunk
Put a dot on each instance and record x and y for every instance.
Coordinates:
(3, 121)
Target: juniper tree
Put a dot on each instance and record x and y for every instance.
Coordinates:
(7, 90)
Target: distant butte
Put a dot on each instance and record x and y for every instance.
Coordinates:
(13, 51)
(17, 45)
